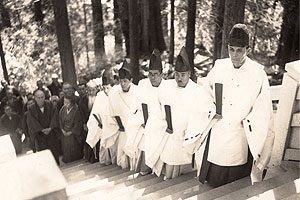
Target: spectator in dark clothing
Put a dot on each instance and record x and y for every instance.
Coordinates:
(12, 101)
(42, 125)
(55, 87)
(68, 90)
(10, 123)
(70, 122)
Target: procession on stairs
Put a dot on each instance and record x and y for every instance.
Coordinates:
(164, 138)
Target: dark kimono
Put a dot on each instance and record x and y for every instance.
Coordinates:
(37, 121)
(9, 126)
(89, 153)
(72, 148)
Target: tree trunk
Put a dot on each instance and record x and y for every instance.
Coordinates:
(86, 37)
(190, 34)
(3, 63)
(158, 27)
(117, 30)
(219, 13)
(5, 19)
(98, 33)
(156, 38)
(64, 42)
(134, 40)
(233, 13)
(145, 26)
(288, 49)
(38, 14)
(124, 17)
(171, 50)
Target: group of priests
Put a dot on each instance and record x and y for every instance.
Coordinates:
(220, 128)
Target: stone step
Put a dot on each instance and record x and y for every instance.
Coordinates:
(103, 182)
(280, 192)
(168, 187)
(65, 166)
(86, 167)
(85, 174)
(261, 187)
(120, 189)
(179, 190)
(223, 190)
(293, 197)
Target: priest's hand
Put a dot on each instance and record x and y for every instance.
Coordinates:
(46, 131)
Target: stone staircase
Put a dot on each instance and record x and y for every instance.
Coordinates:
(96, 181)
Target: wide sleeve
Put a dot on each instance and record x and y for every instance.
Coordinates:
(111, 128)
(94, 130)
(257, 126)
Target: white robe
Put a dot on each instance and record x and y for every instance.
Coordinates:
(101, 110)
(147, 94)
(246, 103)
(119, 105)
(160, 145)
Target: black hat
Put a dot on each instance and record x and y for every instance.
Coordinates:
(155, 61)
(239, 36)
(182, 62)
(124, 71)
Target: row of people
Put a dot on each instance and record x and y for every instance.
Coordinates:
(221, 128)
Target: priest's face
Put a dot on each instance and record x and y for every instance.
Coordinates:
(238, 55)
(182, 78)
(155, 77)
(125, 84)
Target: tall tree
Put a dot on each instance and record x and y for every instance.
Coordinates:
(134, 40)
(233, 13)
(86, 37)
(38, 14)
(64, 42)
(5, 22)
(117, 29)
(172, 35)
(5, 17)
(288, 49)
(3, 63)
(124, 18)
(219, 7)
(152, 27)
(98, 33)
(190, 34)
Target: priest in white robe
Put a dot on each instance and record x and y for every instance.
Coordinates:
(99, 119)
(144, 98)
(241, 138)
(168, 120)
(120, 101)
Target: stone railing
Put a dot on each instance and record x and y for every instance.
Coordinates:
(288, 96)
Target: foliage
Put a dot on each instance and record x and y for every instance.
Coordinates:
(32, 53)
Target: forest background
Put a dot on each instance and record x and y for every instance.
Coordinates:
(83, 39)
